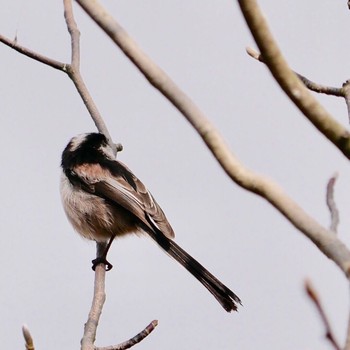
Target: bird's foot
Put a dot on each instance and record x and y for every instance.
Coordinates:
(101, 260)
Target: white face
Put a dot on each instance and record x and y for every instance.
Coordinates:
(108, 151)
(77, 141)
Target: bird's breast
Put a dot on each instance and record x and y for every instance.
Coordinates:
(92, 216)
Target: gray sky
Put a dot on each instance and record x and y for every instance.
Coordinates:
(46, 275)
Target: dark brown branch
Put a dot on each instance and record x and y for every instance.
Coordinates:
(311, 292)
(331, 204)
(289, 82)
(328, 90)
(133, 341)
(28, 338)
(32, 54)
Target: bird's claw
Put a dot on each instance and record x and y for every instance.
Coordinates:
(102, 260)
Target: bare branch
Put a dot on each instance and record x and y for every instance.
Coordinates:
(331, 204)
(74, 33)
(90, 329)
(87, 342)
(73, 70)
(346, 91)
(347, 342)
(27, 338)
(155, 75)
(289, 82)
(323, 89)
(311, 292)
(328, 90)
(327, 242)
(32, 54)
(133, 341)
(84, 93)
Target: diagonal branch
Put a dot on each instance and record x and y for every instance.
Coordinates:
(327, 242)
(319, 88)
(72, 69)
(328, 90)
(311, 292)
(344, 91)
(134, 340)
(289, 82)
(32, 54)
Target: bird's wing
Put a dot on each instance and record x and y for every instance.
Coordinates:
(119, 185)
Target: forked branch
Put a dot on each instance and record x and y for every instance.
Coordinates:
(134, 340)
(90, 329)
(72, 69)
(32, 54)
(343, 92)
(289, 82)
(323, 89)
(327, 242)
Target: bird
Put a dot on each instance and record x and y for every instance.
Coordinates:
(103, 200)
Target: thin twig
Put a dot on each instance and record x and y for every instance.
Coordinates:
(32, 54)
(133, 341)
(328, 90)
(73, 70)
(154, 74)
(311, 292)
(323, 89)
(346, 91)
(74, 33)
(332, 206)
(289, 82)
(27, 338)
(326, 241)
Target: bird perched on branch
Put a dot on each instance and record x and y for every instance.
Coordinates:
(103, 200)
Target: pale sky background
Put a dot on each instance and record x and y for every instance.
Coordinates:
(46, 276)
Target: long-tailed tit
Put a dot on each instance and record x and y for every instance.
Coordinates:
(103, 200)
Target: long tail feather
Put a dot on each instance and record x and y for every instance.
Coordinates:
(223, 294)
